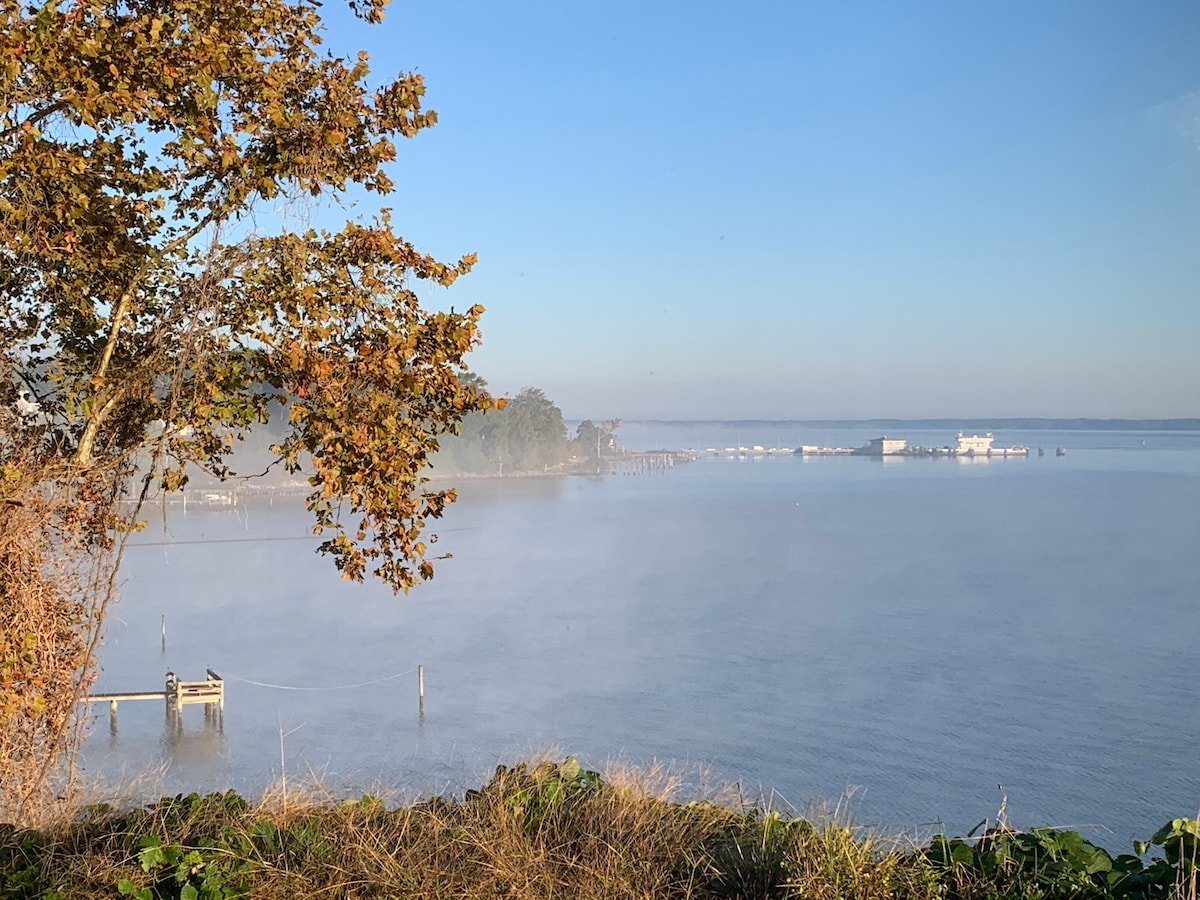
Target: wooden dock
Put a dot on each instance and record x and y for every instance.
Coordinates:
(649, 462)
(219, 497)
(176, 694)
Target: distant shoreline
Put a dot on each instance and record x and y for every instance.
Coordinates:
(974, 424)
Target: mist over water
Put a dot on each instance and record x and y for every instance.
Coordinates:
(918, 631)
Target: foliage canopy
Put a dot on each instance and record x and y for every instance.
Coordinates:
(147, 324)
(144, 315)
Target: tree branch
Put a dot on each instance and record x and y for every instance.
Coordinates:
(56, 106)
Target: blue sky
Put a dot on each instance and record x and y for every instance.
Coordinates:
(806, 210)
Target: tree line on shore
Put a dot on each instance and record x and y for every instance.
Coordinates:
(526, 435)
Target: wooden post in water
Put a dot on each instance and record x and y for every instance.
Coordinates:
(218, 709)
(421, 690)
(164, 632)
(170, 694)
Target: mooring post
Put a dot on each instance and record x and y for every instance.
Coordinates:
(164, 632)
(421, 693)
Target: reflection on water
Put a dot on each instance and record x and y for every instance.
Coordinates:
(186, 738)
(507, 489)
(200, 738)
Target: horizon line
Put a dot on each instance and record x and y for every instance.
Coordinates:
(1174, 421)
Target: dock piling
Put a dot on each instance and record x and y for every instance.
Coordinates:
(420, 693)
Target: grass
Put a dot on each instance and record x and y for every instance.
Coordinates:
(550, 830)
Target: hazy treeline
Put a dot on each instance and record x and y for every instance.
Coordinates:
(527, 435)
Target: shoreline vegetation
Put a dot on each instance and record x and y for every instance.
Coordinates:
(556, 829)
(525, 437)
(204, 492)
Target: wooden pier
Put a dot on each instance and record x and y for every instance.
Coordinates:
(219, 497)
(176, 693)
(650, 462)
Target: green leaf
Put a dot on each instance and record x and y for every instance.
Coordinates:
(569, 769)
(127, 888)
(151, 856)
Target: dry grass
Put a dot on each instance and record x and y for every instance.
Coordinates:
(523, 836)
(630, 838)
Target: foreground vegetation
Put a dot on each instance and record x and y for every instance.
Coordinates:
(555, 830)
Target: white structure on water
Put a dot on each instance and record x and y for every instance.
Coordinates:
(975, 445)
(883, 446)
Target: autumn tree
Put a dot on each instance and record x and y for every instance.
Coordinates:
(145, 325)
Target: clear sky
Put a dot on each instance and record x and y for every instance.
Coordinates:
(806, 210)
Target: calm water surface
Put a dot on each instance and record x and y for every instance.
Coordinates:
(915, 632)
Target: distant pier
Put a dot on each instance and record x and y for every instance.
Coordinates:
(224, 497)
(649, 462)
(747, 452)
(975, 446)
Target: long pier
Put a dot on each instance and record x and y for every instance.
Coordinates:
(973, 447)
(910, 452)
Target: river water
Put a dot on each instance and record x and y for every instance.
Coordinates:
(926, 636)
